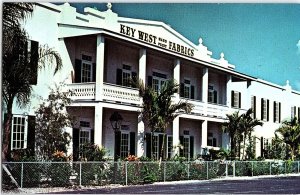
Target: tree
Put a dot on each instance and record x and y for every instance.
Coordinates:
(232, 127)
(289, 132)
(51, 119)
(158, 110)
(17, 67)
(247, 124)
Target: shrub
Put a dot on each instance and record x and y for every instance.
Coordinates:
(60, 172)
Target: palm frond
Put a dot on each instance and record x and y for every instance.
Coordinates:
(47, 54)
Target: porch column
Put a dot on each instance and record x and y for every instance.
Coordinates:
(99, 67)
(142, 65)
(228, 91)
(98, 125)
(70, 146)
(204, 135)
(140, 141)
(205, 89)
(175, 136)
(177, 75)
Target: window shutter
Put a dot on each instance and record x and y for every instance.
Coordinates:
(298, 113)
(214, 142)
(119, 77)
(191, 147)
(117, 145)
(150, 81)
(92, 136)
(181, 90)
(77, 71)
(94, 73)
(254, 107)
(240, 100)
(279, 112)
(215, 97)
(192, 92)
(274, 111)
(262, 147)
(181, 142)
(268, 110)
(148, 145)
(31, 134)
(134, 79)
(132, 143)
(262, 109)
(75, 144)
(232, 98)
(34, 58)
(295, 110)
(160, 140)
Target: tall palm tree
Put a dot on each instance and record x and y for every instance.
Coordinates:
(158, 110)
(16, 68)
(232, 127)
(290, 134)
(247, 125)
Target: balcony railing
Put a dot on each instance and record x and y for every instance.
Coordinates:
(121, 94)
(82, 91)
(217, 110)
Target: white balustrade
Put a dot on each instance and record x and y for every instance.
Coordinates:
(217, 110)
(81, 90)
(117, 93)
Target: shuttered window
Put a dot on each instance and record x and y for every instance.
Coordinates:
(19, 132)
(236, 99)
(264, 109)
(276, 112)
(253, 106)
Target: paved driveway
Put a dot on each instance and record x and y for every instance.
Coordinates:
(269, 185)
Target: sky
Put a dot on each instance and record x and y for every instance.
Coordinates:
(261, 40)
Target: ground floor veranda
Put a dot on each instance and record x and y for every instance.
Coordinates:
(188, 136)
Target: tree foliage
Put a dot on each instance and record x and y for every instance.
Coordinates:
(158, 109)
(289, 133)
(240, 128)
(51, 119)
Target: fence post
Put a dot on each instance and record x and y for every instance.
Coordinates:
(226, 170)
(79, 173)
(285, 166)
(270, 168)
(22, 172)
(233, 168)
(126, 174)
(207, 169)
(164, 171)
(188, 170)
(252, 168)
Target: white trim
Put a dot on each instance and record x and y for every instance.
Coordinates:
(25, 130)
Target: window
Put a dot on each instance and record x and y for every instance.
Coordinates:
(158, 81)
(186, 147)
(253, 106)
(19, 132)
(170, 146)
(124, 142)
(86, 69)
(212, 94)
(235, 99)
(293, 111)
(187, 142)
(187, 88)
(264, 109)
(84, 134)
(211, 140)
(125, 75)
(277, 110)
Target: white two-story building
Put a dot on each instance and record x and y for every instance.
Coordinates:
(101, 50)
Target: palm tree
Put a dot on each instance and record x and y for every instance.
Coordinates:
(247, 125)
(290, 133)
(16, 68)
(232, 127)
(158, 110)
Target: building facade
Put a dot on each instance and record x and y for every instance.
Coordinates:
(101, 51)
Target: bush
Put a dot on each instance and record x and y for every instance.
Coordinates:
(60, 172)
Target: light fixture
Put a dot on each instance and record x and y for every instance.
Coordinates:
(116, 121)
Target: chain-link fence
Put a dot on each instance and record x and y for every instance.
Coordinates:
(54, 174)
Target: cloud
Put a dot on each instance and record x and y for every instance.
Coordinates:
(298, 46)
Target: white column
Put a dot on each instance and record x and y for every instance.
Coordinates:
(98, 125)
(204, 135)
(228, 91)
(140, 136)
(142, 65)
(99, 67)
(205, 89)
(177, 75)
(175, 136)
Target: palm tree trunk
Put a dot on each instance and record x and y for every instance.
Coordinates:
(162, 150)
(7, 131)
(244, 145)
